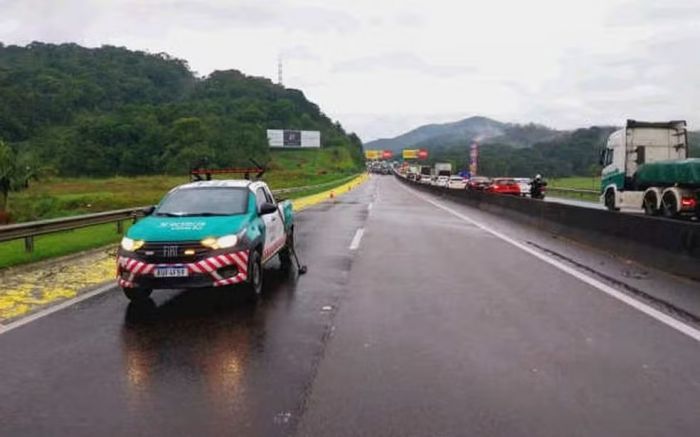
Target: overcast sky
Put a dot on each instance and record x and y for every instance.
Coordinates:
(383, 67)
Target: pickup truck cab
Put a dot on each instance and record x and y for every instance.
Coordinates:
(206, 234)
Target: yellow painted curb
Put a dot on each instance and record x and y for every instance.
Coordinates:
(32, 289)
(305, 202)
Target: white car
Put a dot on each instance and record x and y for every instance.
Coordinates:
(457, 182)
(442, 181)
(425, 179)
(524, 184)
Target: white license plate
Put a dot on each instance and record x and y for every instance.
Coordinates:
(171, 272)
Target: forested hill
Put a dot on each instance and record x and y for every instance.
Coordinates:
(110, 110)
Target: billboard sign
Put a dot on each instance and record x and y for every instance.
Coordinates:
(410, 153)
(293, 138)
(387, 154)
(473, 158)
(373, 155)
(422, 154)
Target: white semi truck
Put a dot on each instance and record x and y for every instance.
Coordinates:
(646, 165)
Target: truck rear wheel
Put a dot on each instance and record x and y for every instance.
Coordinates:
(669, 205)
(650, 207)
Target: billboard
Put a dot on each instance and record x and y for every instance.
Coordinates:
(373, 154)
(410, 153)
(415, 154)
(473, 159)
(387, 154)
(293, 138)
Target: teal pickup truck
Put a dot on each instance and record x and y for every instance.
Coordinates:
(206, 234)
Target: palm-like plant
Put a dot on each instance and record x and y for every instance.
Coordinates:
(13, 175)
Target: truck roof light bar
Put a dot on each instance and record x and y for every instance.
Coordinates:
(200, 173)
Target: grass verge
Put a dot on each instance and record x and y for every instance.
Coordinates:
(579, 183)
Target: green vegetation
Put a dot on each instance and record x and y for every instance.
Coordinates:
(75, 113)
(581, 183)
(12, 253)
(111, 111)
(14, 176)
(59, 197)
(571, 154)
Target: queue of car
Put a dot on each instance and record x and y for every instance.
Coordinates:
(499, 185)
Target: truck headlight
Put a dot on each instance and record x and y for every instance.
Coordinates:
(131, 245)
(220, 243)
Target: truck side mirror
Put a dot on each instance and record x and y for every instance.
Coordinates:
(267, 208)
(149, 210)
(641, 155)
(601, 159)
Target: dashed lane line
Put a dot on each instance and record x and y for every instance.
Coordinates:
(355, 243)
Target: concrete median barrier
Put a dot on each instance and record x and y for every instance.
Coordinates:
(670, 245)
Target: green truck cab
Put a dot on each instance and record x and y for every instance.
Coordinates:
(646, 165)
(206, 234)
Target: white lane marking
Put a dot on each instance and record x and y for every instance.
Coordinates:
(652, 312)
(43, 313)
(355, 243)
(369, 207)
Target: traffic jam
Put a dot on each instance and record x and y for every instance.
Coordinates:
(441, 174)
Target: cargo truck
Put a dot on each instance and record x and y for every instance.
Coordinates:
(426, 175)
(646, 165)
(443, 171)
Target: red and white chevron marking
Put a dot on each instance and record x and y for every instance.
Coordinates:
(206, 266)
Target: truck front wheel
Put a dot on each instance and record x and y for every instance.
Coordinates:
(255, 275)
(610, 201)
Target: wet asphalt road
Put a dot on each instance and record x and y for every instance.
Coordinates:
(432, 326)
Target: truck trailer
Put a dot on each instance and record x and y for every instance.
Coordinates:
(646, 165)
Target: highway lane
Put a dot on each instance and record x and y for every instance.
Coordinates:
(411, 321)
(200, 363)
(449, 330)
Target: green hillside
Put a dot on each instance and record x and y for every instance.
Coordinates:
(109, 111)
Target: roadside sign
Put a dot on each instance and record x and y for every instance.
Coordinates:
(422, 154)
(410, 153)
(474, 159)
(373, 155)
(293, 138)
(387, 154)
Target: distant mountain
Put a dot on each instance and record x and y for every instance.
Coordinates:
(482, 129)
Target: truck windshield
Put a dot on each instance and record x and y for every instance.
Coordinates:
(204, 202)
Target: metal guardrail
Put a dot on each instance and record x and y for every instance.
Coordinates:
(580, 191)
(29, 230)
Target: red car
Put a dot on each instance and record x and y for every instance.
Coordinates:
(479, 183)
(504, 186)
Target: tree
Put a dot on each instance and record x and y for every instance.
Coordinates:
(13, 176)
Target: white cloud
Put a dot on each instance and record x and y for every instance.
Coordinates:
(379, 67)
